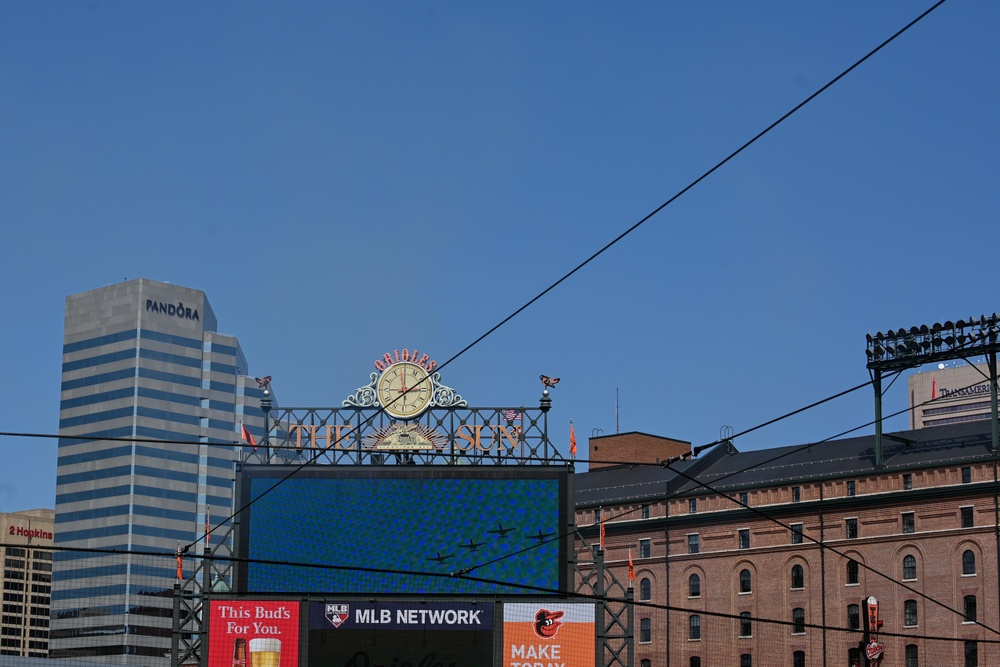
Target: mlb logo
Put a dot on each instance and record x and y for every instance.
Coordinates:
(337, 614)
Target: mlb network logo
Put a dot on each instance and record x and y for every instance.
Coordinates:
(337, 614)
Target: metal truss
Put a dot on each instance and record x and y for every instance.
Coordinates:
(355, 435)
(615, 628)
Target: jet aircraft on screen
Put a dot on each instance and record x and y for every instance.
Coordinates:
(540, 536)
(500, 531)
(439, 558)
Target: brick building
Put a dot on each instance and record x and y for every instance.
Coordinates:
(799, 536)
(26, 548)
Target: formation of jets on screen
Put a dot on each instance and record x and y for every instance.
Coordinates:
(502, 532)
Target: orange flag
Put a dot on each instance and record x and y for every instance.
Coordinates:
(248, 436)
(572, 441)
(180, 564)
(631, 568)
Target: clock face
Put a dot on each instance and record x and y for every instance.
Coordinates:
(404, 390)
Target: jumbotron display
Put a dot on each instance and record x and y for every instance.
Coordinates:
(404, 530)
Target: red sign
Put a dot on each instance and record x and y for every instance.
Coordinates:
(266, 629)
(874, 650)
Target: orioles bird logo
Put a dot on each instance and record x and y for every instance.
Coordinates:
(547, 623)
(547, 381)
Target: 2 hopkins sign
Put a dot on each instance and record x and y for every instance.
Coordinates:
(419, 634)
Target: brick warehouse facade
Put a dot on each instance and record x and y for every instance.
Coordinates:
(927, 520)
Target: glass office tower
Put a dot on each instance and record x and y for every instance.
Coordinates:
(141, 359)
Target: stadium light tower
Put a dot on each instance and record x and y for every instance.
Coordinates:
(897, 350)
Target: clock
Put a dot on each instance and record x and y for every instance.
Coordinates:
(404, 390)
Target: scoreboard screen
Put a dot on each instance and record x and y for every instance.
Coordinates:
(404, 530)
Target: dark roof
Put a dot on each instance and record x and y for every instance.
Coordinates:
(724, 468)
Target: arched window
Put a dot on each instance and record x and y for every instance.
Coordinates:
(798, 578)
(745, 585)
(853, 617)
(799, 659)
(909, 567)
(694, 627)
(646, 663)
(695, 661)
(911, 656)
(694, 586)
(852, 571)
(910, 613)
(798, 621)
(645, 630)
(968, 562)
(645, 589)
(745, 629)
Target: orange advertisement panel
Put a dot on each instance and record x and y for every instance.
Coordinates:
(549, 634)
(253, 633)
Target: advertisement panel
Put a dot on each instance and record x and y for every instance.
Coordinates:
(548, 634)
(397, 530)
(253, 633)
(416, 634)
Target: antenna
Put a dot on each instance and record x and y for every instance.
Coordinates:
(617, 425)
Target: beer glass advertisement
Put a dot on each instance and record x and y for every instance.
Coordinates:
(249, 633)
(399, 530)
(549, 634)
(414, 634)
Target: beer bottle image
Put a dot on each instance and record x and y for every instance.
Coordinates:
(239, 652)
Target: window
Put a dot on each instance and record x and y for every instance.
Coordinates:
(966, 475)
(695, 661)
(745, 629)
(745, 583)
(851, 487)
(796, 494)
(694, 627)
(744, 498)
(971, 654)
(645, 589)
(911, 656)
(597, 515)
(909, 568)
(910, 613)
(853, 617)
(645, 630)
(967, 520)
(693, 543)
(644, 548)
(746, 660)
(850, 528)
(692, 505)
(909, 522)
(852, 571)
(694, 586)
(970, 608)
(744, 538)
(968, 562)
(798, 578)
(646, 663)
(854, 657)
(798, 621)
(907, 482)
(645, 511)
(799, 659)
(796, 533)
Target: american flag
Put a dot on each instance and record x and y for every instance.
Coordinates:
(512, 415)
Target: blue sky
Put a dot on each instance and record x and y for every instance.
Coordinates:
(344, 179)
